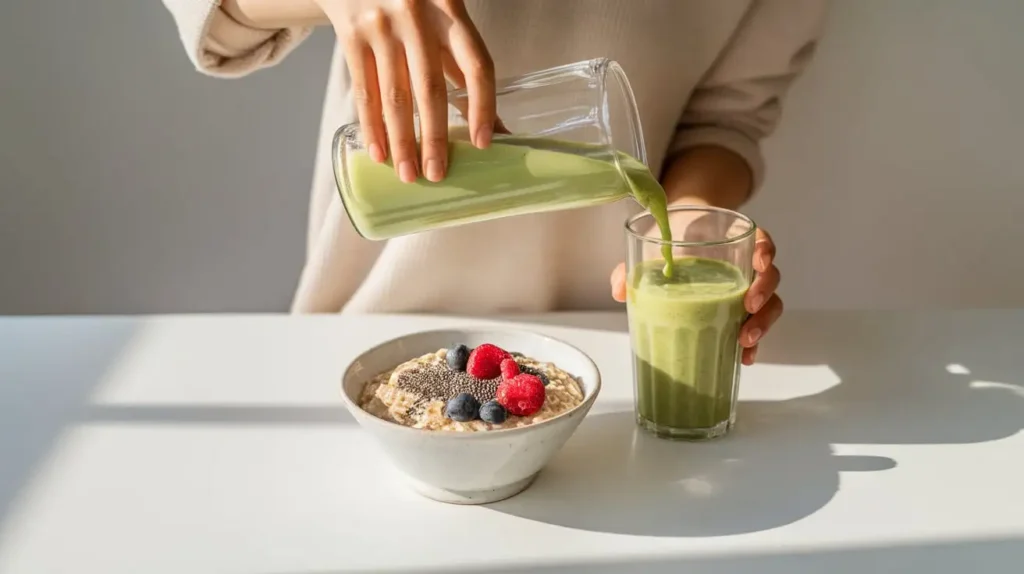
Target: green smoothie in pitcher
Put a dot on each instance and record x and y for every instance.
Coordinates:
(685, 340)
(513, 176)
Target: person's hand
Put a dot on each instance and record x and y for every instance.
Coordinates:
(398, 50)
(761, 301)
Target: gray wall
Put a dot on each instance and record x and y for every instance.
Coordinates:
(132, 184)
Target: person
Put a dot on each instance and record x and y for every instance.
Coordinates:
(709, 78)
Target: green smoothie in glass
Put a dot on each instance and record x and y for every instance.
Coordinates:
(684, 326)
(684, 331)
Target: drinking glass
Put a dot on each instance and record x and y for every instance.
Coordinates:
(565, 138)
(684, 328)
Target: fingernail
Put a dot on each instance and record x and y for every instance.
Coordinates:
(763, 260)
(376, 153)
(483, 136)
(758, 301)
(434, 170)
(753, 335)
(407, 171)
(753, 356)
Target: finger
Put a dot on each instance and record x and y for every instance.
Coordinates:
(431, 92)
(477, 68)
(764, 251)
(750, 355)
(618, 281)
(362, 67)
(764, 286)
(755, 328)
(396, 96)
(454, 75)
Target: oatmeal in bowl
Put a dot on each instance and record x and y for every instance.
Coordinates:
(471, 416)
(471, 390)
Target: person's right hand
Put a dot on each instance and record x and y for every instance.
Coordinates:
(398, 50)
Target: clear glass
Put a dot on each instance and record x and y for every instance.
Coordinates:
(565, 138)
(684, 329)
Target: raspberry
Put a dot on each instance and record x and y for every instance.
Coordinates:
(509, 368)
(521, 395)
(485, 361)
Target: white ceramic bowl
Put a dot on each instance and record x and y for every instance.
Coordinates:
(471, 467)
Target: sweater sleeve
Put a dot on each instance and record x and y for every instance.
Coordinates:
(739, 100)
(218, 45)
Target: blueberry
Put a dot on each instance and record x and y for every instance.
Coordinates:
(457, 357)
(492, 412)
(531, 371)
(463, 408)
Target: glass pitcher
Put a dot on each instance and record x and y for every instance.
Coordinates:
(568, 137)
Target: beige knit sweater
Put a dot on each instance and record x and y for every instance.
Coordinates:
(704, 71)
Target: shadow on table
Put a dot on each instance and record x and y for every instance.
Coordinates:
(975, 556)
(950, 379)
(235, 415)
(51, 367)
(48, 369)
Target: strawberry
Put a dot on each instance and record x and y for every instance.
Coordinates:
(521, 395)
(485, 361)
(509, 368)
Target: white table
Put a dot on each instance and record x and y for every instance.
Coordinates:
(877, 442)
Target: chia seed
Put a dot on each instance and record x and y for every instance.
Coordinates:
(438, 382)
(535, 372)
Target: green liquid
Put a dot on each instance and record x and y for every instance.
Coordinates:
(646, 190)
(685, 339)
(513, 176)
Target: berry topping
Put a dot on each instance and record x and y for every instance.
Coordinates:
(509, 368)
(457, 357)
(522, 395)
(531, 371)
(485, 361)
(463, 408)
(492, 412)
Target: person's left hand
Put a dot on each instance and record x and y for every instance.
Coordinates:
(762, 302)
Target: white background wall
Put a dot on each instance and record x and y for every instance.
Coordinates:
(129, 183)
